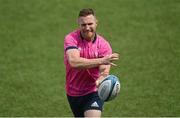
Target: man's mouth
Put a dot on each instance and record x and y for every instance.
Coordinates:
(88, 34)
(88, 31)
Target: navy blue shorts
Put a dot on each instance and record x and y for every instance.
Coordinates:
(81, 104)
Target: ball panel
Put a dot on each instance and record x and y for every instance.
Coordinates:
(113, 81)
(115, 90)
(104, 89)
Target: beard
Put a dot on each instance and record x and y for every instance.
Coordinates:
(89, 35)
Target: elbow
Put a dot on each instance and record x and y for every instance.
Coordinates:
(73, 63)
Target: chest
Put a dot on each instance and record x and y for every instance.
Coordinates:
(89, 50)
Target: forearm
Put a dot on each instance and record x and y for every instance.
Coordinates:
(104, 71)
(85, 63)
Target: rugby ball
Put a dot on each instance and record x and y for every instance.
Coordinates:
(109, 88)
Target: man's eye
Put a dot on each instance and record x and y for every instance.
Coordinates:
(83, 24)
(86, 24)
(90, 23)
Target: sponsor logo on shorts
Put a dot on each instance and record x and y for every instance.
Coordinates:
(94, 104)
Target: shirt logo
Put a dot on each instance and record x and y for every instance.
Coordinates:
(94, 104)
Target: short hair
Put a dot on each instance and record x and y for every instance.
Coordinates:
(86, 12)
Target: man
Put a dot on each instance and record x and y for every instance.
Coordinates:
(88, 58)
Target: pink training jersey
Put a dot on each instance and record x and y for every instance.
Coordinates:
(80, 82)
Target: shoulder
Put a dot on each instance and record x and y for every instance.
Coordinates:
(101, 39)
(103, 46)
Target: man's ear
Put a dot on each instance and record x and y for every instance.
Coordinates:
(96, 22)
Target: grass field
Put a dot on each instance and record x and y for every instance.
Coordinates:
(144, 32)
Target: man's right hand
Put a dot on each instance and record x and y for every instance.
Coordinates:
(108, 60)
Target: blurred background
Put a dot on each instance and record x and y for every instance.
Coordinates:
(144, 32)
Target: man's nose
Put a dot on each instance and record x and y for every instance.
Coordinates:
(87, 27)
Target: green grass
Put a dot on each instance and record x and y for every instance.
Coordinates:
(145, 33)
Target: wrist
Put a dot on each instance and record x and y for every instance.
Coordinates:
(101, 61)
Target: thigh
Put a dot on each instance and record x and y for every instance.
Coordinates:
(88, 105)
(93, 103)
(76, 106)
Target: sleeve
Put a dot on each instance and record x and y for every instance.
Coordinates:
(105, 49)
(70, 43)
